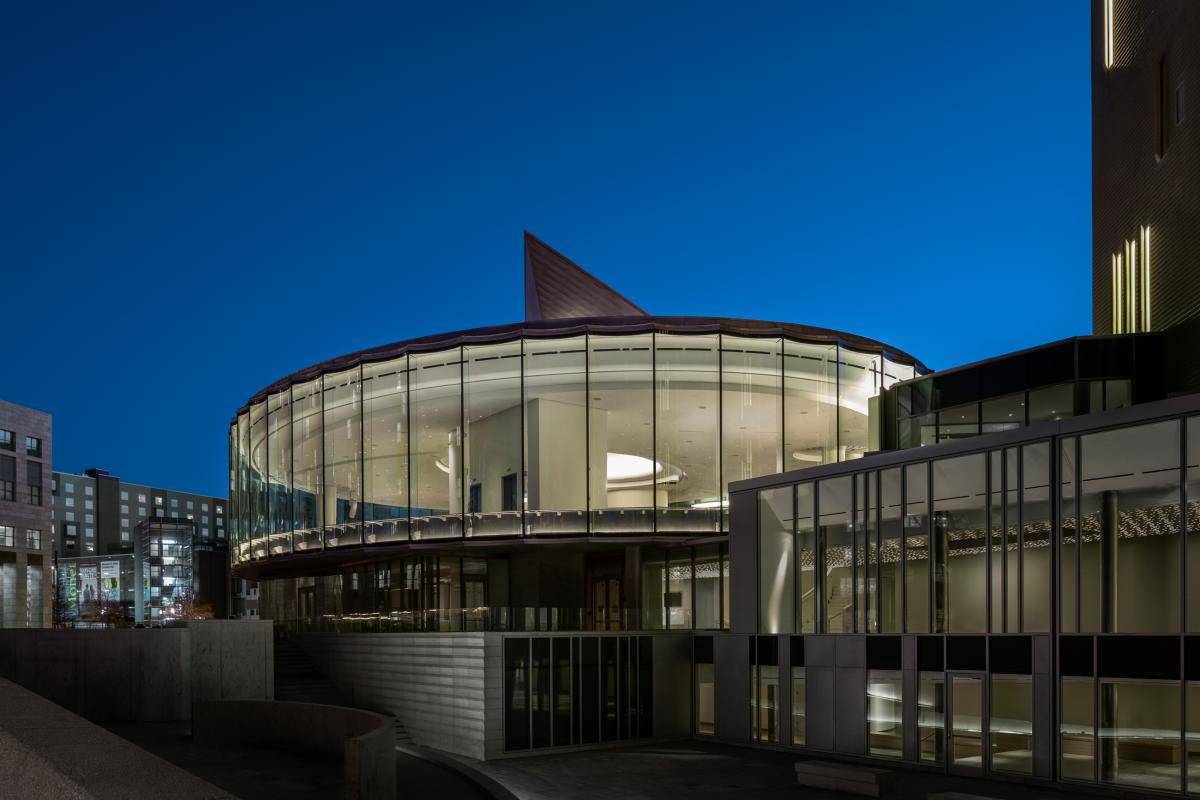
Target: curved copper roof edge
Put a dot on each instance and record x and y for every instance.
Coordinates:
(571, 327)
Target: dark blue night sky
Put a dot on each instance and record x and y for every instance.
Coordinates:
(199, 198)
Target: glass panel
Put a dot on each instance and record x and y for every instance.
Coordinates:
(931, 718)
(966, 703)
(894, 372)
(837, 537)
(885, 713)
(1067, 532)
(385, 468)
(776, 584)
(688, 433)
(916, 535)
(1193, 527)
(706, 704)
(516, 694)
(343, 457)
(556, 443)
(959, 523)
(708, 587)
(1131, 499)
(996, 537)
(959, 422)
(589, 711)
(767, 703)
(809, 404)
(621, 387)
(1003, 413)
(436, 442)
(806, 559)
(1077, 735)
(679, 588)
(859, 414)
(865, 552)
(1012, 543)
(279, 452)
(492, 415)
(257, 476)
(891, 529)
(1052, 403)
(1010, 727)
(562, 691)
(234, 500)
(1193, 737)
(1139, 732)
(751, 408)
(1035, 524)
(307, 504)
(609, 688)
(1118, 394)
(799, 720)
(654, 591)
(539, 683)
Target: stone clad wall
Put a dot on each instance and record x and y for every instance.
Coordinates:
(433, 683)
(141, 674)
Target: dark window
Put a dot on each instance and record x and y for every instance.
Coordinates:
(608, 688)
(1075, 656)
(508, 493)
(1191, 658)
(8, 478)
(966, 653)
(540, 687)
(883, 652)
(1149, 657)
(929, 654)
(768, 651)
(33, 446)
(1011, 655)
(516, 694)
(703, 649)
(475, 503)
(797, 651)
(590, 682)
(645, 686)
(33, 474)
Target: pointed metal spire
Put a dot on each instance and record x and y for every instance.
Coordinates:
(558, 288)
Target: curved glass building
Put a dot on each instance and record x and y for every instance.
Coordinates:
(592, 421)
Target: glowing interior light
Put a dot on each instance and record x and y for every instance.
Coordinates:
(625, 467)
(1116, 322)
(1146, 277)
(1108, 33)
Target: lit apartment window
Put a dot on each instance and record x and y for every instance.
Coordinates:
(220, 510)
(33, 539)
(158, 501)
(141, 498)
(33, 446)
(6, 536)
(191, 517)
(7, 440)
(8, 478)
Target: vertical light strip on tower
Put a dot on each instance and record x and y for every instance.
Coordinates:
(1145, 277)
(1108, 33)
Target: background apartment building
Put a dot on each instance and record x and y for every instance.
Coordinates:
(26, 551)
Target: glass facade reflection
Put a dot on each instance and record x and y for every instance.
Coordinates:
(590, 434)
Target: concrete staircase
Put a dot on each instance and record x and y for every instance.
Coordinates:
(297, 680)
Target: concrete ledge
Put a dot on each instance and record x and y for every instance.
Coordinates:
(48, 753)
(364, 740)
(867, 781)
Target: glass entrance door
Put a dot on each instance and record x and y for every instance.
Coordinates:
(606, 604)
(968, 733)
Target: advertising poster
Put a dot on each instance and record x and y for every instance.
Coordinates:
(69, 578)
(89, 585)
(110, 580)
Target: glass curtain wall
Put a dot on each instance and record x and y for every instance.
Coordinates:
(557, 434)
(776, 561)
(806, 561)
(604, 434)
(687, 441)
(960, 544)
(279, 478)
(385, 451)
(621, 403)
(436, 439)
(343, 457)
(891, 532)
(836, 539)
(492, 412)
(307, 466)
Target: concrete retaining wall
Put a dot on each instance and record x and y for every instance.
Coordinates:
(48, 753)
(433, 683)
(363, 740)
(141, 674)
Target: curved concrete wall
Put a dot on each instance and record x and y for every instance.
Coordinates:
(365, 741)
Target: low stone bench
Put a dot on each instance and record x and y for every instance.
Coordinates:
(851, 778)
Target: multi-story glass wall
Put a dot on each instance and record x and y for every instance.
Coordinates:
(586, 434)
